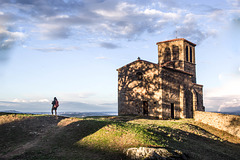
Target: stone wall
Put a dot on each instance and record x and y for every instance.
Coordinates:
(190, 68)
(225, 122)
(134, 89)
(171, 85)
(198, 92)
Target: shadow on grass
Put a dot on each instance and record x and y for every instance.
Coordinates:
(122, 118)
(196, 146)
(23, 130)
(60, 142)
(69, 135)
(54, 142)
(205, 146)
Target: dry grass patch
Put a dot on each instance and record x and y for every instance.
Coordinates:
(8, 118)
(68, 121)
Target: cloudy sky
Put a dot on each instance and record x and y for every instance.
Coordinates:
(71, 49)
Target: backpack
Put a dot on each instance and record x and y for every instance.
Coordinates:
(56, 103)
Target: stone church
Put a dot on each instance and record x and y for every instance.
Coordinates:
(164, 90)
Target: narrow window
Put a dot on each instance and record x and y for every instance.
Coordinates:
(186, 53)
(167, 54)
(175, 50)
(139, 76)
(145, 108)
(191, 54)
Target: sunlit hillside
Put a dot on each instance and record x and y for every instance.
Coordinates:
(25, 136)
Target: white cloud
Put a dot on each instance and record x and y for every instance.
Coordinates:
(222, 104)
(235, 3)
(8, 38)
(122, 19)
(230, 87)
(62, 16)
(218, 16)
(19, 100)
(65, 106)
(232, 103)
(195, 29)
(111, 14)
(190, 18)
(125, 6)
(225, 96)
(85, 94)
(53, 31)
(55, 49)
(29, 101)
(75, 96)
(116, 19)
(170, 16)
(43, 100)
(108, 45)
(7, 104)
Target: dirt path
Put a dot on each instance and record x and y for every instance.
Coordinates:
(43, 126)
(20, 149)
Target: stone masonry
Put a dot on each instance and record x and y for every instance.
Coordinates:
(164, 90)
(225, 122)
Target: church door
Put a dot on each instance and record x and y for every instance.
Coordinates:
(189, 104)
(145, 108)
(172, 110)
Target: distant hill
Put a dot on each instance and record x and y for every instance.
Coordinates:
(10, 111)
(24, 136)
(87, 114)
(231, 110)
(232, 113)
(69, 114)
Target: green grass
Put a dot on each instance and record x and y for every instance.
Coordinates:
(24, 136)
(117, 136)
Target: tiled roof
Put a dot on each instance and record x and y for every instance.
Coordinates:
(177, 39)
(138, 60)
(198, 84)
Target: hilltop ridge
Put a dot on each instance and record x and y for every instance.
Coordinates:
(24, 136)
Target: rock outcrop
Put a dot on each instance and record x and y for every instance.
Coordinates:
(155, 154)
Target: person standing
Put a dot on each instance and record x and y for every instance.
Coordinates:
(55, 105)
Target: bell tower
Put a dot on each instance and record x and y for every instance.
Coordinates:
(178, 54)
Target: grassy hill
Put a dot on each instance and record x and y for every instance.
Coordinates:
(25, 136)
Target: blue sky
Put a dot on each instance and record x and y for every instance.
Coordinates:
(71, 49)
